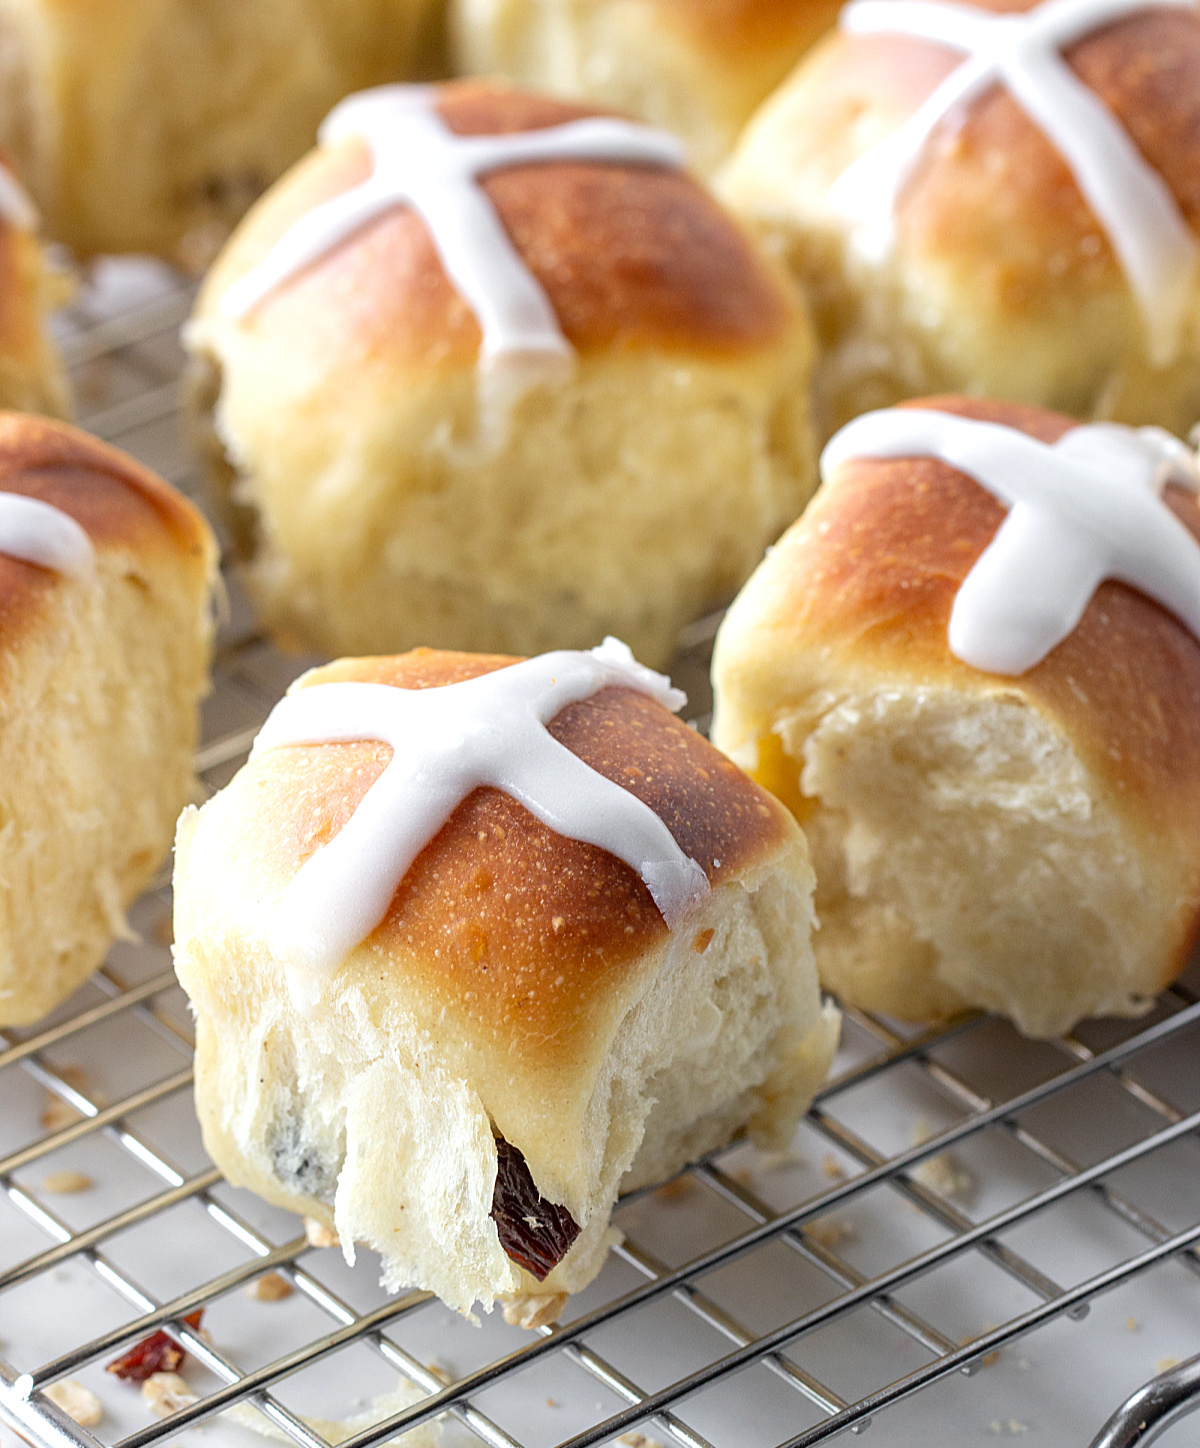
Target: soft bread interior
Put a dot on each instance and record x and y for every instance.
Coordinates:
(966, 856)
(98, 718)
(628, 500)
(355, 1116)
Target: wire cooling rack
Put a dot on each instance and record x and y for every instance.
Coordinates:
(972, 1237)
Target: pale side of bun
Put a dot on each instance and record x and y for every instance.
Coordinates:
(343, 415)
(1001, 281)
(100, 683)
(521, 985)
(695, 67)
(1027, 845)
(150, 125)
(32, 378)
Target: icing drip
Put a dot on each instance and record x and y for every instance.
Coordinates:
(1153, 242)
(445, 743)
(1088, 508)
(37, 532)
(419, 162)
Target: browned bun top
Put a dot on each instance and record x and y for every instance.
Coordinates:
(119, 503)
(517, 919)
(997, 187)
(115, 498)
(630, 256)
(877, 563)
(734, 27)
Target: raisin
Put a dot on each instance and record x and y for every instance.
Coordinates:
(157, 1353)
(535, 1234)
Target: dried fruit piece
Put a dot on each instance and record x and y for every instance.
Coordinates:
(157, 1353)
(166, 1393)
(77, 1402)
(535, 1233)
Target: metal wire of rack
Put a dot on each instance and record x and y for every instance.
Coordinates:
(924, 1258)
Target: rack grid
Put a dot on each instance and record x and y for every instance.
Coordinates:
(973, 1236)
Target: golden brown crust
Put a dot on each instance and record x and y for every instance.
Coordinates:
(118, 502)
(20, 318)
(115, 498)
(736, 27)
(528, 926)
(879, 575)
(630, 256)
(997, 192)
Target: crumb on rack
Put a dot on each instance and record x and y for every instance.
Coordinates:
(674, 1191)
(80, 1404)
(944, 1173)
(320, 1235)
(1164, 1365)
(66, 1183)
(270, 1287)
(57, 1113)
(531, 1311)
(386, 1405)
(783, 1160)
(166, 1393)
(832, 1167)
(1132, 1324)
(989, 1359)
(441, 1372)
(638, 1439)
(828, 1232)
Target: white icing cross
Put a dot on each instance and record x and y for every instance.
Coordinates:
(446, 742)
(1152, 240)
(37, 532)
(419, 162)
(1088, 508)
